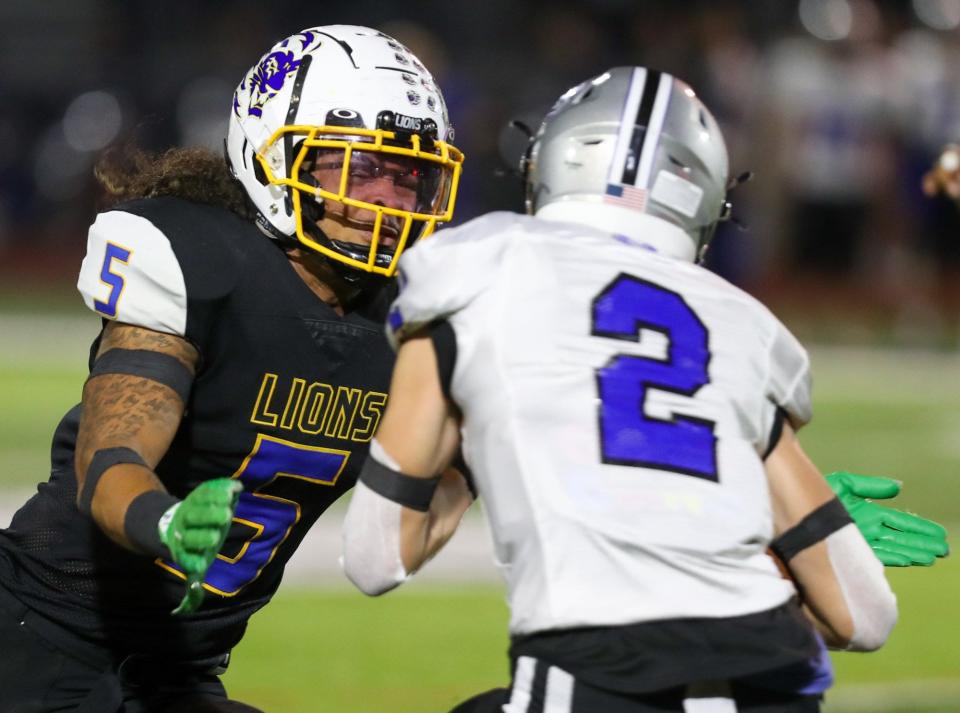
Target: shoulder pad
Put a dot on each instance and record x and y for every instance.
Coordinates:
(130, 274)
(151, 261)
(208, 242)
(445, 272)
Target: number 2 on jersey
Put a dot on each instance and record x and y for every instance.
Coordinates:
(628, 434)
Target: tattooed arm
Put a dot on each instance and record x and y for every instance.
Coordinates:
(132, 412)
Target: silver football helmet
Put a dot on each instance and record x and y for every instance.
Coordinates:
(355, 102)
(636, 138)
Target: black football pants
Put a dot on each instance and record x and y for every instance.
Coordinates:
(36, 676)
(550, 690)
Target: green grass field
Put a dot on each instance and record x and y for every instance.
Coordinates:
(426, 647)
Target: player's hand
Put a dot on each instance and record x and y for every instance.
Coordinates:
(898, 538)
(944, 176)
(194, 530)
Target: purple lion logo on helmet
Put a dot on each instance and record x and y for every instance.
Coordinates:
(267, 79)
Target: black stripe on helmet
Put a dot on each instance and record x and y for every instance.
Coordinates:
(291, 119)
(632, 162)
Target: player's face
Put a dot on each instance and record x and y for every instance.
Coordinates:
(383, 180)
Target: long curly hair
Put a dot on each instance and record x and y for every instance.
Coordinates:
(127, 171)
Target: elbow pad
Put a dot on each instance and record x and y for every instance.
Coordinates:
(869, 599)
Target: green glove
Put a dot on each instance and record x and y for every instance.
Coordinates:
(898, 538)
(194, 530)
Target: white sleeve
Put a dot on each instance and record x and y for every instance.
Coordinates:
(371, 542)
(789, 383)
(371, 536)
(130, 274)
(869, 599)
(443, 274)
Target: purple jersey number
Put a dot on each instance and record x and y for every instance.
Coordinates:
(112, 280)
(269, 518)
(628, 435)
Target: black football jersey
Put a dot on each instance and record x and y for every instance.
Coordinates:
(286, 399)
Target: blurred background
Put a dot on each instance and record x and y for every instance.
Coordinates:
(837, 106)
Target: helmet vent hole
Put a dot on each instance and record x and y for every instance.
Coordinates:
(582, 97)
(703, 119)
(259, 173)
(679, 164)
(592, 142)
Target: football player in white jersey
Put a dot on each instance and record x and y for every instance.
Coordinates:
(629, 418)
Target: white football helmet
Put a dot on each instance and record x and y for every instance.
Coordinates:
(363, 97)
(632, 141)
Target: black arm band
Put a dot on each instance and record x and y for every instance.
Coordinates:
(156, 366)
(445, 345)
(817, 526)
(775, 432)
(102, 460)
(413, 493)
(142, 518)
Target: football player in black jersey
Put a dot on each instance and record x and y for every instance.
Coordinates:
(237, 381)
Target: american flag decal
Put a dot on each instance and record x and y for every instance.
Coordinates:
(626, 196)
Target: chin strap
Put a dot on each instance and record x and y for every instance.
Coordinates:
(363, 282)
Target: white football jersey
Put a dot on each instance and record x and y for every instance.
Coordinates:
(616, 407)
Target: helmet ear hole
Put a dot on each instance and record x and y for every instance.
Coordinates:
(259, 173)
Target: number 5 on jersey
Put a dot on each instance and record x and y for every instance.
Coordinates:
(269, 518)
(628, 434)
(113, 280)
